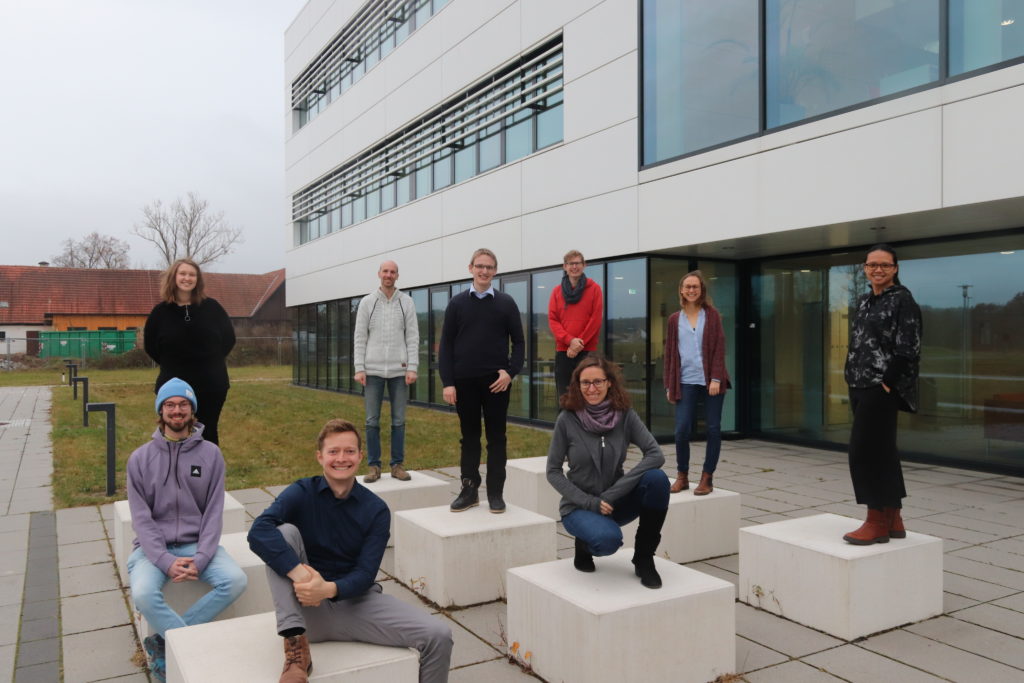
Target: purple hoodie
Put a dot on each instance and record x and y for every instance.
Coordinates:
(176, 495)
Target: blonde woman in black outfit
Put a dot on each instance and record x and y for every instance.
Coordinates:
(189, 335)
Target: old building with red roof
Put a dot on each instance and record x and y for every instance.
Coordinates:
(37, 299)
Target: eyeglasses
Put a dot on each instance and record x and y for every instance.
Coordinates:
(574, 263)
(596, 383)
(178, 405)
(879, 266)
(484, 266)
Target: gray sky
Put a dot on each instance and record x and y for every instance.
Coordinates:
(111, 104)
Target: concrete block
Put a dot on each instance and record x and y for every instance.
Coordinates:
(802, 569)
(255, 599)
(526, 485)
(124, 535)
(697, 527)
(422, 491)
(605, 626)
(249, 649)
(461, 558)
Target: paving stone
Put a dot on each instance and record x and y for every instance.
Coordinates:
(790, 672)
(393, 588)
(779, 634)
(13, 562)
(995, 617)
(47, 672)
(750, 656)
(40, 609)
(982, 591)
(79, 533)
(81, 663)
(973, 638)
(1014, 602)
(245, 496)
(37, 629)
(256, 509)
(12, 587)
(469, 649)
(938, 658)
(853, 663)
(10, 617)
(952, 603)
(93, 611)
(39, 652)
(984, 572)
(994, 556)
(960, 521)
(486, 621)
(78, 554)
(496, 671)
(78, 515)
(7, 653)
(90, 578)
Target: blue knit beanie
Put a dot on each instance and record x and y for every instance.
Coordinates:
(176, 387)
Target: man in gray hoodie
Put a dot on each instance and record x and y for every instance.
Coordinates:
(176, 495)
(385, 353)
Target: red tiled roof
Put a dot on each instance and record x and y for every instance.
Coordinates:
(27, 293)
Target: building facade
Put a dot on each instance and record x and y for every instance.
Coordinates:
(766, 142)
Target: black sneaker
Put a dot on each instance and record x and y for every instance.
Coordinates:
(469, 497)
(496, 503)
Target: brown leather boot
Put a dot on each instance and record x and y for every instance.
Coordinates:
(704, 487)
(874, 530)
(896, 528)
(681, 483)
(297, 661)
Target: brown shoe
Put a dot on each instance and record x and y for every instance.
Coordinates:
(398, 472)
(681, 483)
(896, 528)
(704, 487)
(297, 662)
(874, 530)
(373, 475)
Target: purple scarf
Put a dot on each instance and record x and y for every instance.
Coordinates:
(599, 419)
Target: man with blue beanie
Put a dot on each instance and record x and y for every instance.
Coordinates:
(176, 495)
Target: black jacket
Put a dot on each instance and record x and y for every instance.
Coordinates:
(885, 344)
(193, 350)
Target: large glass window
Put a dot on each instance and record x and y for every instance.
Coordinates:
(439, 298)
(984, 32)
(700, 74)
(626, 323)
(420, 391)
(518, 287)
(824, 55)
(543, 366)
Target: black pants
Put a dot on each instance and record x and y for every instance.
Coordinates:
(473, 397)
(564, 367)
(874, 461)
(211, 401)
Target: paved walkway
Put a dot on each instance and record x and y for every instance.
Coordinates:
(980, 517)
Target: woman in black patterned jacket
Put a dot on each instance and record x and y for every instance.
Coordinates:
(881, 371)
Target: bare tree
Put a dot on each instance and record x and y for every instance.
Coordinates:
(187, 229)
(93, 251)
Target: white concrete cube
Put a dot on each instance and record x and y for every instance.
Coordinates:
(422, 491)
(460, 558)
(696, 527)
(526, 485)
(124, 535)
(255, 599)
(802, 569)
(571, 626)
(249, 649)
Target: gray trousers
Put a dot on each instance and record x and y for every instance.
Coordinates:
(370, 618)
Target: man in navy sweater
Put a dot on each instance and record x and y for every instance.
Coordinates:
(477, 370)
(323, 539)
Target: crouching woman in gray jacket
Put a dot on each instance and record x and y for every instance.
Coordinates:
(593, 432)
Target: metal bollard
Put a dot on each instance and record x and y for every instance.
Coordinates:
(110, 409)
(72, 373)
(85, 397)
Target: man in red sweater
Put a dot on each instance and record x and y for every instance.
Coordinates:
(575, 311)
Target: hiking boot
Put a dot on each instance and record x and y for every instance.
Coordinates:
(373, 475)
(398, 472)
(468, 497)
(156, 651)
(297, 661)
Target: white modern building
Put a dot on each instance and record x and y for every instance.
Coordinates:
(767, 142)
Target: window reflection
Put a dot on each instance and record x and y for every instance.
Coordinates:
(626, 326)
(519, 401)
(543, 365)
(984, 32)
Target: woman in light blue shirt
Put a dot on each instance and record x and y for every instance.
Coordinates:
(695, 370)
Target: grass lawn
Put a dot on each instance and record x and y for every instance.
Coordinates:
(268, 431)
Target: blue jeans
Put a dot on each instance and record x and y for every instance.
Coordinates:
(686, 410)
(601, 532)
(373, 396)
(224, 576)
